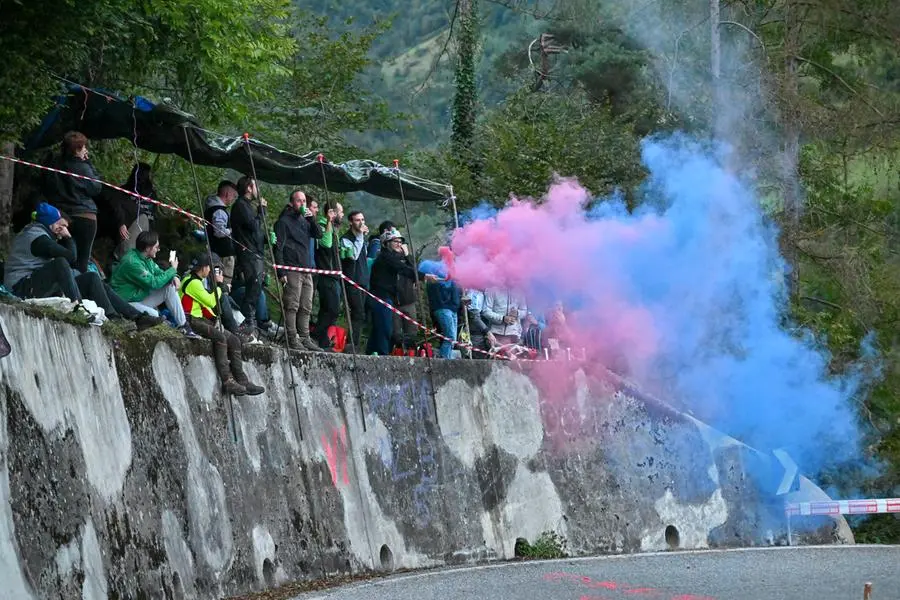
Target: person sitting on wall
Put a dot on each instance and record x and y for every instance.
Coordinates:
(201, 307)
(40, 266)
(144, 284)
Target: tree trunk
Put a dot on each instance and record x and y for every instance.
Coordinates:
(7, 170)
(466, 97)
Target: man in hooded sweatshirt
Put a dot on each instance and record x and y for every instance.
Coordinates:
(218, 228)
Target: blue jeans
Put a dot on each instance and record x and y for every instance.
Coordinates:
(447, 323)
(382, 330)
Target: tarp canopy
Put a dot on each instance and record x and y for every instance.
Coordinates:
(161, 129)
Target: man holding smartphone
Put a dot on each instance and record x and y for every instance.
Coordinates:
(143, 283)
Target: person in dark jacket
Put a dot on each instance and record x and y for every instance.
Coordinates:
(294, 232)
(328, 259)
(392, 263)
(122, 217)
(218, 228)
(39, 265)
(75, 196)
(355, 265)
(248, 231)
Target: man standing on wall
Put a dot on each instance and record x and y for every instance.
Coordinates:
(354, 264)
(248, 230)
(218, 227)
(295, 230)
(328, 286)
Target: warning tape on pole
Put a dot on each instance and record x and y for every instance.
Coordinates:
(872, 506)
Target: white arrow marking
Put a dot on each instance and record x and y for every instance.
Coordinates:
(790, 471)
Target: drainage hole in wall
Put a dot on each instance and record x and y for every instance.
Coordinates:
(269, 573)
(387, 558)
(673, 540)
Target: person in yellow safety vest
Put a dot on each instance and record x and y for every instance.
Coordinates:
(200, 307)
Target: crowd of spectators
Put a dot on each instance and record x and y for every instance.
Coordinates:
(221, 294)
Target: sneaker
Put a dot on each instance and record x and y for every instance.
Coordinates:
(145, 321)
(251, 389)
(230, 386)
(189, 333)
(309, 344)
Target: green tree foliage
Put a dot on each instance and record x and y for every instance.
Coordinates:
(211, 57)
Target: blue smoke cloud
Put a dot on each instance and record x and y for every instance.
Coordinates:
(714, 281)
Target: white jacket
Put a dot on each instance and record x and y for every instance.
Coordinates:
(497, 303)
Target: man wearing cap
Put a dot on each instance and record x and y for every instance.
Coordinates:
(201, 306)
(40, 266)
(392, 263)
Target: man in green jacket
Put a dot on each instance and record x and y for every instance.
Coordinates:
(140, 281)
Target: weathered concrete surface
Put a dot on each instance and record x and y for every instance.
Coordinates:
(124, 473)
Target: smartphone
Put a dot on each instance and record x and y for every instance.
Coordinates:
(171, 256)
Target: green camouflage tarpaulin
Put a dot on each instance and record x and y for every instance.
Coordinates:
(161, 129)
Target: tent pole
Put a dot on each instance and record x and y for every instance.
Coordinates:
(337, 254)
(265, 221)
(465, 311)
(412, 247)
(335, 247)
(215, 284)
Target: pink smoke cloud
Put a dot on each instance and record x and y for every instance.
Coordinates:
(551, 251)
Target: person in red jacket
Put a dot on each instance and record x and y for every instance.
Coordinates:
(201, 306)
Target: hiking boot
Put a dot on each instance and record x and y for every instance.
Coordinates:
(230, 386)
(309, 344)
(145, 321)
(251, 389)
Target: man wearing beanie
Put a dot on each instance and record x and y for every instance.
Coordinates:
(201, 307)
(40, 266)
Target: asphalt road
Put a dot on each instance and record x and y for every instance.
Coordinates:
(800, 573)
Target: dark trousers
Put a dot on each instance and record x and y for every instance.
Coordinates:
(382, 330)
(56, 277)
(226, 348)
(52, 279)
(83, 233)
(93, 288)
(251, 271)
(329, 307)
(357, 301)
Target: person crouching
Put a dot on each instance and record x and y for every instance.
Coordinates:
(199, 307)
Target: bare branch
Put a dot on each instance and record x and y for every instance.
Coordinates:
(840, 79)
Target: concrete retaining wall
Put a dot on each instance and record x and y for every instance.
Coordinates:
(124, 473)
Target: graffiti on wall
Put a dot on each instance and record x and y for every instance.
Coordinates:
(410, 454)
(335, 449)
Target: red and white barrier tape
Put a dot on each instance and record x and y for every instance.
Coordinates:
(405, 316)
(307, 270)
(199, 219)
(177, 209)
(843, 507)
